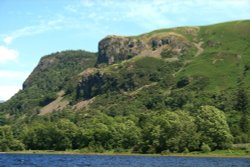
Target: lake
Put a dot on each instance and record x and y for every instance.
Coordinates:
(54, 160)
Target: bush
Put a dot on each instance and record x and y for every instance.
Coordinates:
(248, 149)
(205, 148)
(119, 150)
(182, 82)
(186, 150)
(166, 54)
(4, 146)
(47, 99)
(12, 144)
(165, 152)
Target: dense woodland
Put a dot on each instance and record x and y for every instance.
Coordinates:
(94, 131)
(143, 104)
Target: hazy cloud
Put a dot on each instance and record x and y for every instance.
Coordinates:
(7, 55)
(149, 14)
(7, 91)
(13, 75)
(42, 26)
(7, 40)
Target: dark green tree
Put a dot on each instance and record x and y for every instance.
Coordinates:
(242, 101)
(7, 140)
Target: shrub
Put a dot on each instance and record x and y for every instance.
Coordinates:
(166, 54)
(165, 152)
(186, 150)
(205, 148)
(248, 149)
(184, 81)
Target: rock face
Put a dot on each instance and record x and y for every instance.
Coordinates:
(89, 86)
(114, 49)
(174, 42)
(95, 84)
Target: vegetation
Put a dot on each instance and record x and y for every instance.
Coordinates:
(167, 54)
(147, 104)
(94, 131)
(54, 73)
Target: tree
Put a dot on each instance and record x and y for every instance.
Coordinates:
(173, 131)
(205, 148)
(245, 123)
(38, 136)
(59, 135)
(213, 127)
(7, 140)
(66, 132)
(242, 101)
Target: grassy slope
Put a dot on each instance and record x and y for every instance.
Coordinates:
(226, 52)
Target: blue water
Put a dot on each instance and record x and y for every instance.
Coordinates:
(44, 160)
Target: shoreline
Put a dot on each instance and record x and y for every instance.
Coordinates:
(194, 154)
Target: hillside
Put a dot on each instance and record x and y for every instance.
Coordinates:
(54, 73)
(171, 90)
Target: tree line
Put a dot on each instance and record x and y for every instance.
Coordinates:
(148, 132)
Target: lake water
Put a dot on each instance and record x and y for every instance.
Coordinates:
(45, 160)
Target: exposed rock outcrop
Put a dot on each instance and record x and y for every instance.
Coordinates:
(89, 86)
(172, 41)
(113, 49)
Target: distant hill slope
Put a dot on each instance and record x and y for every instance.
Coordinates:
(181, 68)
(53, 73)
(209, 58)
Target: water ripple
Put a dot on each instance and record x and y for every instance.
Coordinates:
(43, 160)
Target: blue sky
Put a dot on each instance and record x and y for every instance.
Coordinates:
(30, 29)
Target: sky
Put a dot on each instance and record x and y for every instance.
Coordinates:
(30, 29)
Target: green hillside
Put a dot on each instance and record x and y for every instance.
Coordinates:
(53, 74)
(170, 90)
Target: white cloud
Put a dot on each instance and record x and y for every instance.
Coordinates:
(90, 15)
(6, 92)
(148, 15)
(153, 14)
(54, 23)
(71, 8)
(10, 82)
(7, 40)
(88, 3)
(237, 2)
(7, 55)
(13, 75)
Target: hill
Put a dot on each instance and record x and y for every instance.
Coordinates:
(178, 89)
